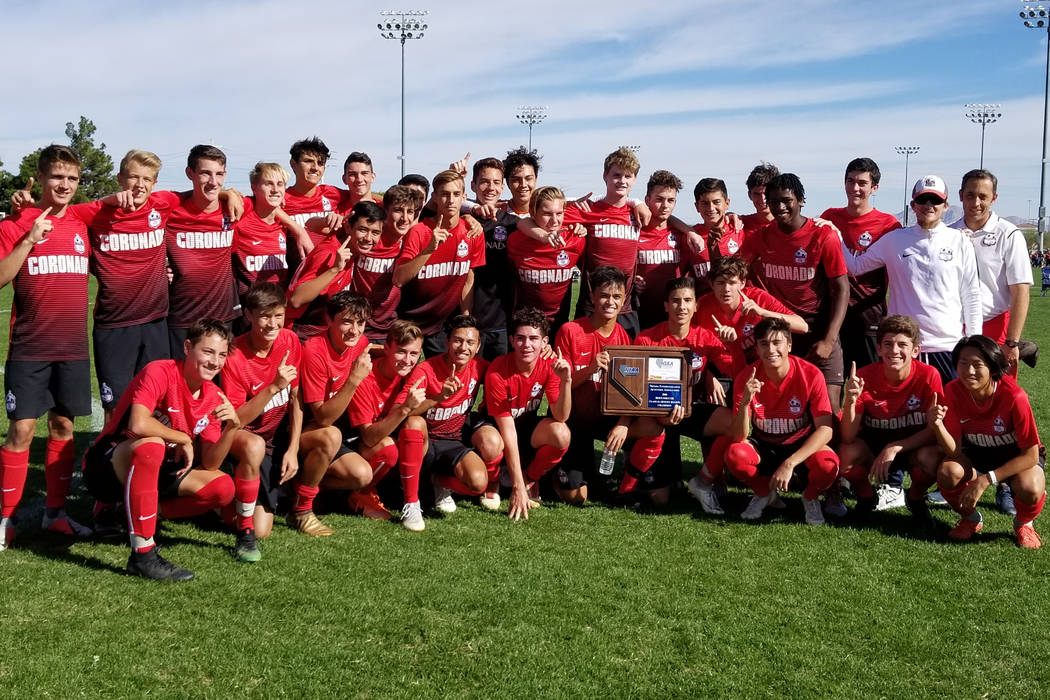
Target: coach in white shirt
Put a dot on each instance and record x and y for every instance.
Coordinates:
(932, 271)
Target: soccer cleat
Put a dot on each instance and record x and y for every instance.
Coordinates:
(443, 501)
(153, 566)
(109, 520)
(936, 498)
(412, 517)
(308, 524)
(920, 514)
(705, 494)
(965, 529)
(756, 506)
(367, 503)
(1027, 537)
(811, 507)
(888, 497)
(833, 504)
(1004, 500)
(490, 500)
(7, 533)
(776, 502)
(64, 525)
(247, 549)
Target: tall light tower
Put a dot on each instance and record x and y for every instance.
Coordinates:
(907, 152)
(983, 115)
(403, 25)
(1036, 17)
(530, 117)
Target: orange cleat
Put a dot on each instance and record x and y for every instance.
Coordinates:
(367, 503)
(1027, 537)
(965, 529)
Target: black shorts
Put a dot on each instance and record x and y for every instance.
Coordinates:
(830, 368)
(33, 388)
(858, 342)
(121, 353)
(101, 480)
(494, 343)
(443, 455)
(940, 361)
(771, 456)
(270, 487)
(435, 344)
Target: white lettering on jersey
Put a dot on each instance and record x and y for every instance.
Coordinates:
(657, 257)
(545, 276)
(445, 269)
(377, 265)
(788, 272)
(204, 239)
(622, 231)
(131, 241)
(443, 414)
(57, 265)
(260, 263)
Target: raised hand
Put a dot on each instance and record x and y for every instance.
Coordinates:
(23, 198)
(748, 306)
(727, 334)
(752, 387)
(937, 412)
(41, 227)
(460, 166)
(451, 385)
(343, 254)
(286, 373)
(584, 202)
(562, 368)
(437, 238)
(362, 366)
(416, 395)
(854, 385)
(226, 413)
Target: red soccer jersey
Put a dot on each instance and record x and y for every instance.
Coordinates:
(543, 275)
(699, 262)
(796, 268)
(612, 239)
(734, 356)
(993, 433)
(324, 371)
(437, 289)
(258, 251)
(867, 292)
(509, 392)
(302, 208)
(753, 222)
(446, 418)
(199, 248)
(783, 414)
(705, 345)
(310, 319)
(49, 309)
(889, 413)
(373, 398)
(659, 262)
(579, 342)
(128, 259)
(161, 388)
(245, 374)
(374, 278)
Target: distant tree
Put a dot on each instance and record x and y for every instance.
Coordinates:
(8, 184)
(96, 167)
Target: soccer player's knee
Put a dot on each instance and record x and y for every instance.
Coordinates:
(574, 497)
(358, 472)
(824, 461)
(489, 446)
(263, 523)
(20, 435)
(59, 427)
(560, 435)
(331, 439)
(739, 453)
(253, 451)
(221, 490)
(476, 479)
(416, 423)
(1029, 485)
(928, 457)
(950, 472)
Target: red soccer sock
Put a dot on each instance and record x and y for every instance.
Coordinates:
(410, 462)
(247, 493)
(215, 494)
(140, 494)
(14, 466)
(952, 496)
(381, 463)
(920, 483)
(456, 486)
(304, 498)
(857, 476)
(643, 456)
(714, 460)
(741, 459)
(1027, 512)
(546, 458)
(823, 468)
(493, 471)
(58, 472)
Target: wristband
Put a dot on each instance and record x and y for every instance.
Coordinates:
(1011, 343)
(992, 478)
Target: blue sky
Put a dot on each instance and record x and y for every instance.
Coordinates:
(706, 89)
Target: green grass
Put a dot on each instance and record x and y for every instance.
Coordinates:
(592, 601)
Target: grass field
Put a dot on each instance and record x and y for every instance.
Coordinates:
(592, 601)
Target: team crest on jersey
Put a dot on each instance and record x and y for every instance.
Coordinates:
(946, 254)
(989, 239)
(106, 393)
(999, 424)
(563, 259)
(462, 249)
(732, 246)
(800, 257)
(326, 204)
(913, 402)
(697, 363)
(11, 403)
(864, 239)
(153, 220)
(472, 386)
(536, 389)
(672, 242)
(748, 329)
(794, 405)
(78, 244)
(227, 222)
(201, 425)
(499, 233)
(282, 242)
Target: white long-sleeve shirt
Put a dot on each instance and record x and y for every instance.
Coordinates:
(932, 278)
(1002, 260)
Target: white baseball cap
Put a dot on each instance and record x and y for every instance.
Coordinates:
(930, 184)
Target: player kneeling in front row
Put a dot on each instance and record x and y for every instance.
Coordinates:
(883, 425)
(261, 379)
(783, 400)
(987, 429)
(462, 451)
(515, 385)
(164, 445)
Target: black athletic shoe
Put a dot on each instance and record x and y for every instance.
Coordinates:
(920, 514)
(153, 566)
(247, 549)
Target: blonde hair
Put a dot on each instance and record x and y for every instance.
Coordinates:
(261, 170)
(144, 158)
(624, 159)
(540, 195)
(446, 176)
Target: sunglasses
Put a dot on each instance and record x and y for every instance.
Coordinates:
(929, 199)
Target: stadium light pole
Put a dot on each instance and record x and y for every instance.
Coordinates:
(530, 117)
(402, 25)
(1037, 17)
(907, 152)
(983, 115)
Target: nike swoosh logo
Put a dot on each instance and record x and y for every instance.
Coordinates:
(256, 242)
(907, 255)
(336, 378)
(255, 387)
(173, 410)
(964, 420)
(9, 490)
(584, 354)
(147, 517)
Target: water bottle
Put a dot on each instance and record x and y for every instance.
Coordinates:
(605, 467)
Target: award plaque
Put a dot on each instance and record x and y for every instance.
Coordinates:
(647, 380)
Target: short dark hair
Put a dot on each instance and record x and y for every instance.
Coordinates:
(56, 153)
(518, 157)
(208, 326)
(679, 283)
(709, 185)
(768, 326)
(342, 302)
(312, 145)
(663, 178)
(529, 316)
(369, 211)
(607, 274)
(357, 157)
(728, 266)
(494, 163)
(789, 182)
(865, 165)
(399, 195)
(204, 151)
(989, 350)
(264, 296)
(417, 180)
(760, 175)
(463, 321)
(898, 324)
(980, 174)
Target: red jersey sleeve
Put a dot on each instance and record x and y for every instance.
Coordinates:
(573, 216)
(738, 386)
(552, 384)
(213, 431)
(151, 386)
(318, 259)
(1024, 421)
(86, 212)
(951, 419)
(497, 403)
(233, 381)
(414, 243)
(362, 408)
(313, 375)
(424, 372)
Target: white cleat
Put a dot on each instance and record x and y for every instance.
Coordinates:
(443, 501)
(490, 501)
(756, 506)
(814, 516)
(706, 495)
(412, 517)
(889, 497)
